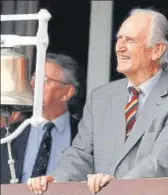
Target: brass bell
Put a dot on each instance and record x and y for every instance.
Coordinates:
(15, 85)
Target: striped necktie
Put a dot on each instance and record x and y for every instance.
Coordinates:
(131, 108)
(41, 163)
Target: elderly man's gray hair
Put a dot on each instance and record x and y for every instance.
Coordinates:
(158, 31)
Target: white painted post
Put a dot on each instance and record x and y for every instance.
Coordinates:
(99, 44)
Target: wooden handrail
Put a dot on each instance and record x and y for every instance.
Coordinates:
(119, 187)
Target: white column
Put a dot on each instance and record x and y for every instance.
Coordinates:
(99, 44)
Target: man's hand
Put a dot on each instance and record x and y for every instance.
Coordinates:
(97, 181)
(39, 184)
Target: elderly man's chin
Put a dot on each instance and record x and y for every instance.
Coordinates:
(124, 68)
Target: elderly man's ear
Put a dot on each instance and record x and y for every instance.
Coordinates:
(158, 51)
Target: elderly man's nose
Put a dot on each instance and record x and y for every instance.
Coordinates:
(121, 47)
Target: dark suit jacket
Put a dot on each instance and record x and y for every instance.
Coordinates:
(18, 146)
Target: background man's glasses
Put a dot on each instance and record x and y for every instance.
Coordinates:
(49, 80)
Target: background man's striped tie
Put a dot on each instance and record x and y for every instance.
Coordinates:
(131, 108)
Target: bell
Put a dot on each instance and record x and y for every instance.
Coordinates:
(15, 85)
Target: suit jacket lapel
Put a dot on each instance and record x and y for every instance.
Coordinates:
(118, 119)
(147, 114)
(114, 119)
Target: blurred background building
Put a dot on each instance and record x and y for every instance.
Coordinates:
(83, 29)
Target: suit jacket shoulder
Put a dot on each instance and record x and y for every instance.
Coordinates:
(110, 88)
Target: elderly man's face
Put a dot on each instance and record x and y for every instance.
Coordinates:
(133, 55)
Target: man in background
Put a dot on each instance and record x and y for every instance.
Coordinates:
(15, 117)
(37, 150)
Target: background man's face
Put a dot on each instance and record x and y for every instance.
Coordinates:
(133, 56)
(54, 88)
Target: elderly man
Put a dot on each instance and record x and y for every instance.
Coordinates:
(124, 130)
(37, 150)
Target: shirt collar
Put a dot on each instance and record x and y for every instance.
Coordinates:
(148, 85)
(61, 123)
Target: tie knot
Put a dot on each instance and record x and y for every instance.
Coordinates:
(48, 126)
(135, 91)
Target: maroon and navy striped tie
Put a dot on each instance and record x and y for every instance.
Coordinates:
(131, 108)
